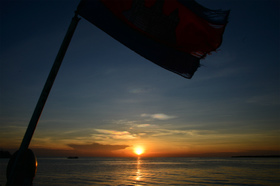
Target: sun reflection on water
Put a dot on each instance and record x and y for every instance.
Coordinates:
(138, 173)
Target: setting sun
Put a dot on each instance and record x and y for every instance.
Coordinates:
(138, 150)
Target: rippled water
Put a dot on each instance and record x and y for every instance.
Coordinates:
(155, 171)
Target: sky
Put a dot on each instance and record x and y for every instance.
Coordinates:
(108, 100)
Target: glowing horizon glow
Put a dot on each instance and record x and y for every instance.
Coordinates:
(138, 150)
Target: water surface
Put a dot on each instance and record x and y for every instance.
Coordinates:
(154, 171)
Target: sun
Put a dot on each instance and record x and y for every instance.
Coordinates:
(138, 150)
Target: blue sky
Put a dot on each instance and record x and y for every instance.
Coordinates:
(106, 94)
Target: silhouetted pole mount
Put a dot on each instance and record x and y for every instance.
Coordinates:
(16, 165)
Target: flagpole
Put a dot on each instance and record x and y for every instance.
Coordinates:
(42, 99)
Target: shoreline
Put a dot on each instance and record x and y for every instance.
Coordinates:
(267, 156)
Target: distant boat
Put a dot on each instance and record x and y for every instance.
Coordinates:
(72, 157)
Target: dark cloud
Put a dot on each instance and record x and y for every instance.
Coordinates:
(92, 150)
(97, 147)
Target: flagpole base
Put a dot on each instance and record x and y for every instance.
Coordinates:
(25, 169)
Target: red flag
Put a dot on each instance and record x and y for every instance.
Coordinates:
(174, 34)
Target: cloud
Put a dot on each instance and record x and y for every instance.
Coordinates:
(137, 90)
(97, 147)
(116, 134)
(167, 132)
(143, 125)
(269, 99)
(159, 116)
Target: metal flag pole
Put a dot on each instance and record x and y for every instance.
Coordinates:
(15, 169)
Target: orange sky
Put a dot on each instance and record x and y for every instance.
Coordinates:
(155, 141)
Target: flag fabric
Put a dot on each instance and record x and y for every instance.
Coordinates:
(174, 34)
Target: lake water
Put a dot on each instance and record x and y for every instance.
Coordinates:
(154, 171)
